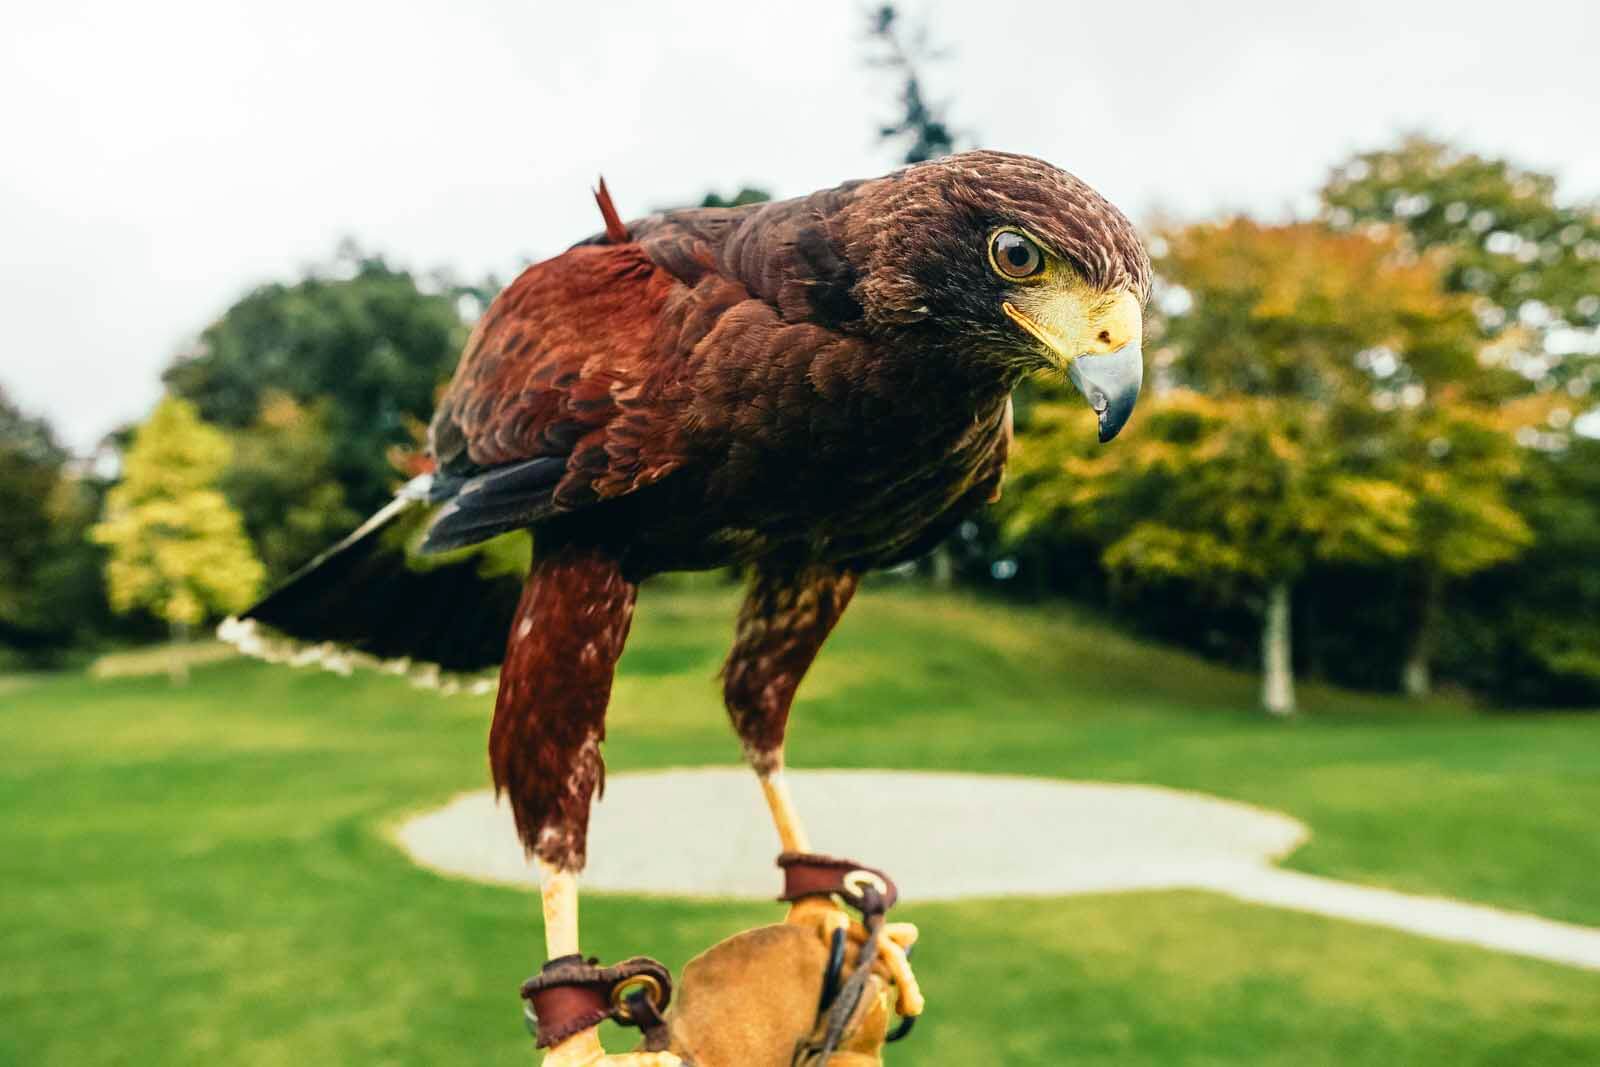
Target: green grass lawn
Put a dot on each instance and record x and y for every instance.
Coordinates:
(202, 875)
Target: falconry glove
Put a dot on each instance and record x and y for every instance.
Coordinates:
(817, 990)
(754, 999)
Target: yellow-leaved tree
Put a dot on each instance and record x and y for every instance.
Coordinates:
(177, 549)
(1236, 493)
(1318, 399)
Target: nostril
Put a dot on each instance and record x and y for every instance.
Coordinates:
(1105, 337)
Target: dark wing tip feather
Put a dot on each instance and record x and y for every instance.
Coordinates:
(616, 232)
(365, 596)
(508, 497)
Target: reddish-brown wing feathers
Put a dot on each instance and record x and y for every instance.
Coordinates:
(556, 368)
(612, 354)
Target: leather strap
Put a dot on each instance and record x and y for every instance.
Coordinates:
(571, 994)
(807, 874)
(869, 891)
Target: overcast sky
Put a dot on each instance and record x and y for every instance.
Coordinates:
(159, 158)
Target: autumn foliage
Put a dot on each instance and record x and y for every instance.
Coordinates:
(1318, 399)
(178, 550)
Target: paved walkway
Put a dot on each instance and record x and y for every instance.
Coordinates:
(951, 836)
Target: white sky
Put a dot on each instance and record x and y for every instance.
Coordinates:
(158, 158)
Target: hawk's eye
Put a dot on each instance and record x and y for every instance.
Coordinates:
(1014, 255)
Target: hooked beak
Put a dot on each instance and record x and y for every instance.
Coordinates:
(1108, 380)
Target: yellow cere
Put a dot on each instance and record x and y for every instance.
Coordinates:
(1068, 316)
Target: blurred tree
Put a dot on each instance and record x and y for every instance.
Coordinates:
(26, 439)
(1317, 400)
(746, 195)
(1459, 463)
(50, 591)
(30, 468)
(365, 340)
(1530, 633)
(903, 50)
(1362, 327)
(1530, 262)
(177, 548)
(1239, 494)
(281, 481)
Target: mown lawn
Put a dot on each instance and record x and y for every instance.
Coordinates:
(202, 875)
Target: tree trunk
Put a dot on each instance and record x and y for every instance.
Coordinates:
(942, 567)
(177, 662)
(1416, 678)
(1277, 668)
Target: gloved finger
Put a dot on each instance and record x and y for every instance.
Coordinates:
(895, 968)
(903, 934)
(892, 964)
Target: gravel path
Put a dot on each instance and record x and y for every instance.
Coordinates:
(951, 836)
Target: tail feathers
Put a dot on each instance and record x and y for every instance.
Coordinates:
(373, 598)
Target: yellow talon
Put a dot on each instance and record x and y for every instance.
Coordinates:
(585, 1050)
(824, 916)
(903, 934)
(893, 960)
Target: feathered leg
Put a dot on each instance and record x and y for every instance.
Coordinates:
(544, 745)
(549, 716)
(786, 616)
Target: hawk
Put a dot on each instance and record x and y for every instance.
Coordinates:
(806, 389)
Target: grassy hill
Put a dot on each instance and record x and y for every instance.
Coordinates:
(203, 874)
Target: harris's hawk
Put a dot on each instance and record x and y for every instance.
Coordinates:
(808, 389)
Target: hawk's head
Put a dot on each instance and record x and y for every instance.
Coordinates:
(1014, 262)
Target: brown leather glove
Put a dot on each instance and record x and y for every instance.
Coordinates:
(752, 1001)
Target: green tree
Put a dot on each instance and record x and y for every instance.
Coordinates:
(1529, 261)
(30, 469)
(177, 549)
(51, 596)
(1364, 328)
(1542, 644)
(282, 482)
(905, 51)
(747, 194)
(1459, 464)
(1238, 494)
(1310, 387)
(364, 339)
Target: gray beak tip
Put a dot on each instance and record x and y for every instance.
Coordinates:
(1110, 382)
(1115, 417)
